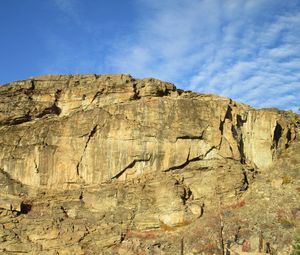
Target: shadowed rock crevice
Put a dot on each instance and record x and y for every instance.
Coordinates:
(54, 109)
(25, 207)
(136, 93)
(130, 166)
(90, 136)
(288, 137)
(241, 150)
(240, 121)
(228, 116)
(190, 137)
(245, 182)
(30, 91)
(277, 135)
(238, 136)
(98, 93)
(188, 160)
(27, 117)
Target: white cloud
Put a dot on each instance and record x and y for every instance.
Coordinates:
(247, 50)
(67, 6)
(69, 10)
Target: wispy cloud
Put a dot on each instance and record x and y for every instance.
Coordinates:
(248, 50)
(66, 6)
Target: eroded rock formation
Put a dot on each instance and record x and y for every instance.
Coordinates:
(108, 164)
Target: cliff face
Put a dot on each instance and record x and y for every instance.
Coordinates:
(107, 164)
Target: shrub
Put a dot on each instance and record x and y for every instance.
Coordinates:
(297, 244)
(286, 179)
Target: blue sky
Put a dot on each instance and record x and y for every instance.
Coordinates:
(248, 50)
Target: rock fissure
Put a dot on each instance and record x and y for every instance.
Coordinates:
(19, 120)
(98, 93)
(228, 115)
(136, 93)
(277, 135)
(53, 109)
(90, 136)
(190, 137)
(36, 168)
(188, 160)
(129, 166)
(245, 183)
(241, 150)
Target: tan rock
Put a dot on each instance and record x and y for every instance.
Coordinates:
(109, 164)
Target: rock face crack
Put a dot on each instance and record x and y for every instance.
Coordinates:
(97, 95)
(53, 109)
(238, 136)
(136, 93)
(90, 136)
(228, 115)
(19, 120)
(245, 182)
(188, 160)
(10, 182)
(190, 137)
(29, 92)
(131, 165)
(277, 135)
(36, 168)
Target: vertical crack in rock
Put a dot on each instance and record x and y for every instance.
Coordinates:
(238, 136)
(29, 92)
(36, 168)
(241, 149)
(98, 93)
(288, 138)
(136, 93)
(185, 195)
(90, 136)
(245, 181)
(240, 121)
(32, 85)
(277, 135)
(131, 165)
(228, 115)
(57, 95)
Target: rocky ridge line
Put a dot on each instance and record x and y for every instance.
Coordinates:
(115, 150)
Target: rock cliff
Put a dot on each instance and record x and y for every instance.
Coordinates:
(109, 164)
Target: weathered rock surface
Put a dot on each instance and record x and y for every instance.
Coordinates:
(108, 164)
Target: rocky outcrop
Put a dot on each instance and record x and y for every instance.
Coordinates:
(108, 164)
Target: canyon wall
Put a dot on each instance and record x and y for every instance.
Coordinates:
(146, 161)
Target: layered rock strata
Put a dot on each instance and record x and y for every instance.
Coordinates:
(109, 164)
